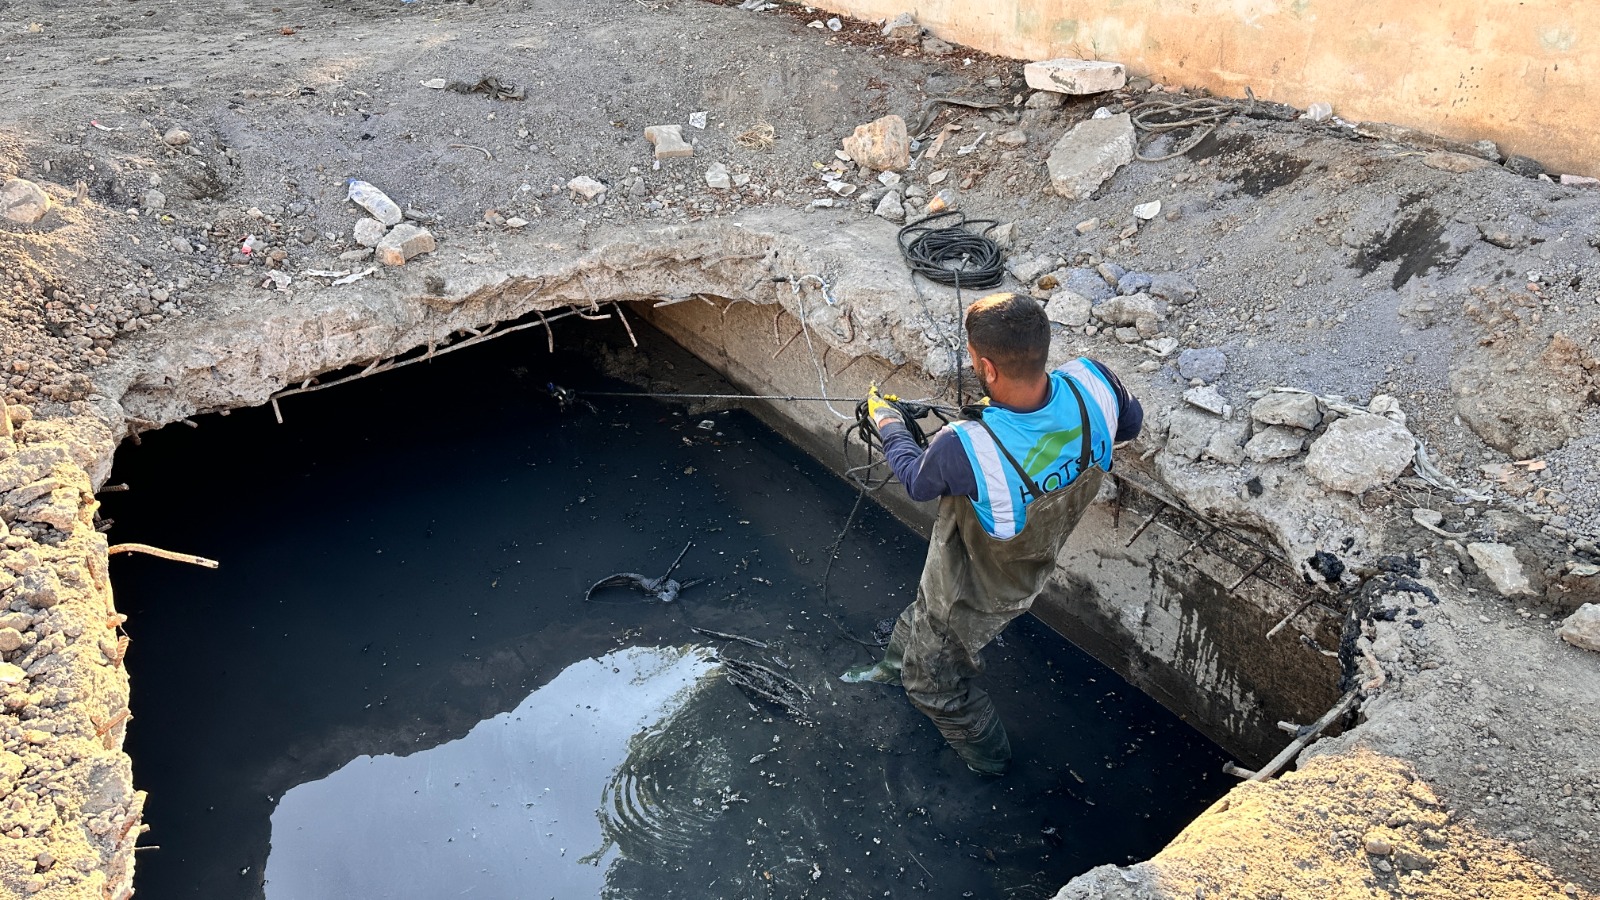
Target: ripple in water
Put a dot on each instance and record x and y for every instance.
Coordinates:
(511, 807)
(666, 797)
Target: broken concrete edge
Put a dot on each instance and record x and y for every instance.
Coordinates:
(844, 281)
(819, 277)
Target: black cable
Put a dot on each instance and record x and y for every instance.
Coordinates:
(955, 256)
(952, 254)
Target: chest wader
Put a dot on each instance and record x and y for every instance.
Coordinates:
(972, 586)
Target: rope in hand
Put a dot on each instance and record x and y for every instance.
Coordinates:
(1157, 117)
(861, 475)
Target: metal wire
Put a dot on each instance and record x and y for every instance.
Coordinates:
(1162, 116)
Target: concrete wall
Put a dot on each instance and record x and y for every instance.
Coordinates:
(1162, 613)
(1519, 72)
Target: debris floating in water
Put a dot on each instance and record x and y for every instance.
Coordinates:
(762, 683)
(665, 588)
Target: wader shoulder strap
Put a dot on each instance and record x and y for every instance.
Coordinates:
(1085, 456)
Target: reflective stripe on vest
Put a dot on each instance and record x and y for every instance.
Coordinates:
(1047, 443)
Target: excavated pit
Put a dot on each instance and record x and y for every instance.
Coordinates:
(410, 696)
(1168, 599)
(1179, 581)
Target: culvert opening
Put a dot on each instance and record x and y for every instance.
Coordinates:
(393, 685)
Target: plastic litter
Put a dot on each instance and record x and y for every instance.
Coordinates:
(375, 202)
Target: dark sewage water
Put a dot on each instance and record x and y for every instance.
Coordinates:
(393, 686)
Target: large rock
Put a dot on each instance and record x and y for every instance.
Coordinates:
(1499, 564)
(1582, 628)
(1287, 408)
(23, 202)
(1173, 288)
(1227, 445)
(1360, 453)
(1088, 282)
(1124, 311)
(586, 187)
(1207, 364)
(403, 243)
(891, 207)
(668, 141)
(1275, 442)
(1189, 432)
(1075, 76)
(368, 232)
(903, 29)
(882, 145)
(1209, 399)
(1089, 154)
(1458, 163)
(1069, 308)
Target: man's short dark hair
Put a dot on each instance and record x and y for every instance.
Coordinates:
(1012, 332)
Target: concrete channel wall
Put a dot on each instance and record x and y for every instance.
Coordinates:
(1514, 71)
(1162, 613)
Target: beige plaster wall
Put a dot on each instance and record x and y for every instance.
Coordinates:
(1522, 73)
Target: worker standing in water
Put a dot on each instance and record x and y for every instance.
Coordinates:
(1012, 480)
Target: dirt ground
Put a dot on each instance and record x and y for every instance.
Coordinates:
(1324, 259)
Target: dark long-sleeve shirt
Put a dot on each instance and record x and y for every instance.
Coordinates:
(944, 470)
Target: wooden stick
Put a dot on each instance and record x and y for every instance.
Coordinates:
(722, 635)
(164, 554)
(1298, 744)
(681, 555)
(486, 154)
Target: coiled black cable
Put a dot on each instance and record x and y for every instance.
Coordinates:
(951, 253)
(867, 431)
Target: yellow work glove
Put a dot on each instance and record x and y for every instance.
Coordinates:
(881, 410)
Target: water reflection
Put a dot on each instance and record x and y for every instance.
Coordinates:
(510, 810)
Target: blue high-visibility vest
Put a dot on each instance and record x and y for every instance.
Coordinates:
(1047, 443)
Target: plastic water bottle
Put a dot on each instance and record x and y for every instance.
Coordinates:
(374, 201)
